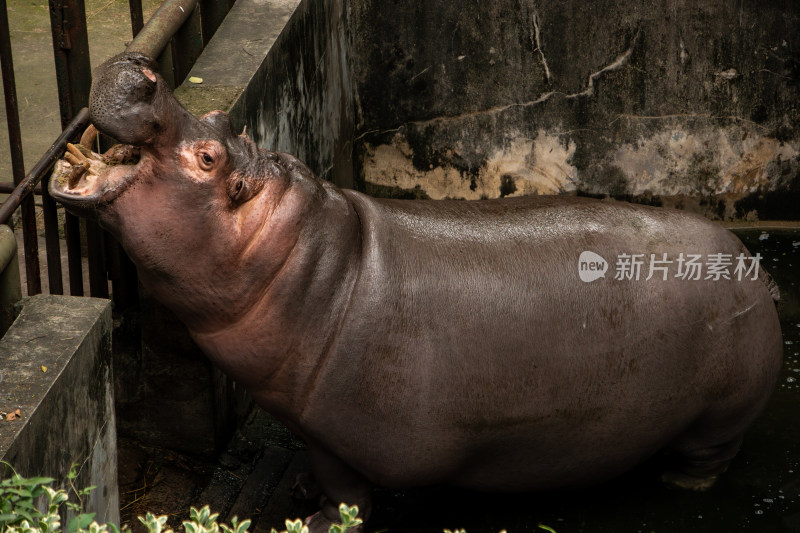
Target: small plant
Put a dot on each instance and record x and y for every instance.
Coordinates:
(19, 512)
(347, 515)
(200, 521)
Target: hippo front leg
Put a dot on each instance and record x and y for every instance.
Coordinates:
(339, 483)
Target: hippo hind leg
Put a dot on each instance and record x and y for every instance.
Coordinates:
(338, 484)
(697, 467)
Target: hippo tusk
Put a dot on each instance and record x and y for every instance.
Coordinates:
(78, 151)
(89, 136)
(75, 176)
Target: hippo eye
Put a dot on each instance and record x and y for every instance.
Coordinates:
(206, 161)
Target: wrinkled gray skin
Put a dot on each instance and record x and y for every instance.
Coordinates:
(419, 342)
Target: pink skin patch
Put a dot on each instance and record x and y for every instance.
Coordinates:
(149, 73)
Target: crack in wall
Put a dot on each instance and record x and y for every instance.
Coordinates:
(619, 62)
(537, 41)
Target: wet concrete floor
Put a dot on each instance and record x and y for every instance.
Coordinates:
(760, 492)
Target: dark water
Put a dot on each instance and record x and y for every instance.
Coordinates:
(760, 492)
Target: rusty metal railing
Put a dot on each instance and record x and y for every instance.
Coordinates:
(180, 28)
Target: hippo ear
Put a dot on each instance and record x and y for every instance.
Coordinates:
(241, 150)
(220, 122)
(137, 58)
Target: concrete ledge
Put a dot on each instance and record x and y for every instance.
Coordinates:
(233, 56)
(55, 368)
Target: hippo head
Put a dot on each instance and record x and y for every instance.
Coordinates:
(187, 198)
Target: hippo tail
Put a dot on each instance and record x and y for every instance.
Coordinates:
(772, 287)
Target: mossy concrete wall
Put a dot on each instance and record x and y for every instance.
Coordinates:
(56, 375)
(693, 104)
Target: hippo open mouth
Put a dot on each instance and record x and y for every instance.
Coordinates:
(87, 179)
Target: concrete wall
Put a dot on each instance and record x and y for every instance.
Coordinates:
(691, 104)
(300, 100)
(55, 368)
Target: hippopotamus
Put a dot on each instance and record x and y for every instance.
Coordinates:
(497, 345)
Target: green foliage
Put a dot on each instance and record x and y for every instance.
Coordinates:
(349, 518)
(18, 503)
(19, 512)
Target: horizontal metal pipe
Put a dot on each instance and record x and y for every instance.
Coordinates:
(7, 187)
(27, 185)
(161, 27)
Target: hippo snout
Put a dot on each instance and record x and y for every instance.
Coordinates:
(122, 102)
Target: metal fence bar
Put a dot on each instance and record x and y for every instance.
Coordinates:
(137, 16)
(212, 13)
(187, 45)
(52, 242)
(73, 75)
(162, 26)
(30, 237)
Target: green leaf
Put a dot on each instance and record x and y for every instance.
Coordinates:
(24, 493)
(296, 526)
(27, 516)
(153, 523)
(81, 521)
(36, 481)
(547, 528)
